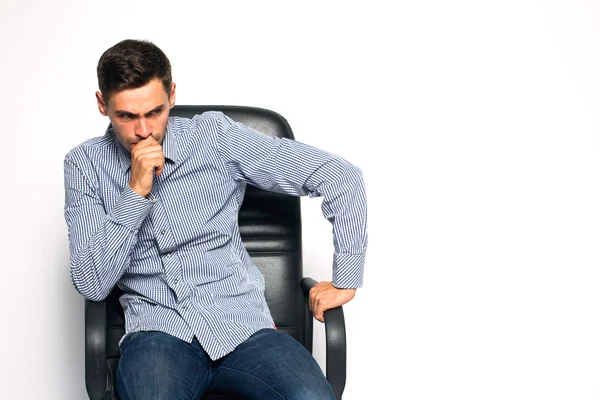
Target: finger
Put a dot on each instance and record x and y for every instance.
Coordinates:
(148, 166)
(318, 307)
(145, 147)
(311, 295)
(142, 144)
(145, 151)
(158, 169)
(319, 315)
(315, 297)
(156, 165)
(148, 162)
(156, 157)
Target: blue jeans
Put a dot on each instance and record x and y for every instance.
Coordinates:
(269, 365)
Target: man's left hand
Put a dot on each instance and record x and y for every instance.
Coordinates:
(324, 296)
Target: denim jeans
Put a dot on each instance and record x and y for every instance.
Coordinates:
(269, 365)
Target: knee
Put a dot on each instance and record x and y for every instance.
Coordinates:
(316, 392)
(151, 383)
(156, 366)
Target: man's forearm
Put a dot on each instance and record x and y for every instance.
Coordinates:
(100, 244)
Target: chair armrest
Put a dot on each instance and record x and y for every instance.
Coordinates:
(95, 349)
(335, 340)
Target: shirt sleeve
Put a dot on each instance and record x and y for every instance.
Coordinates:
(100, 242)
(292, 167)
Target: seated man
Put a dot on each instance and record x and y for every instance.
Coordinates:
(152, 207)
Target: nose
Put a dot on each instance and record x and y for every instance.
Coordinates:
(142, 129)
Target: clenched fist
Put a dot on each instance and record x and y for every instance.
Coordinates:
(147, 159)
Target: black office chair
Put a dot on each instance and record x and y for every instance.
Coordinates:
(271, 231)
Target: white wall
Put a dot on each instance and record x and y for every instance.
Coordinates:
(475, 123)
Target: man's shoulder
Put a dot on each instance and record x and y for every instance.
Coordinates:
(186, 123)
(93, 146)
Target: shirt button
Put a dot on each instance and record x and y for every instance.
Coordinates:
(162, 232)
(184, 307)
(176, 281)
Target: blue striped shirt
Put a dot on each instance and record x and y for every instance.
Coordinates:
(177, 254)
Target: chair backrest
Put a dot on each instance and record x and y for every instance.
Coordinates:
(271, 232)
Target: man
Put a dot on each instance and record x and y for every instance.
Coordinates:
(152, 206)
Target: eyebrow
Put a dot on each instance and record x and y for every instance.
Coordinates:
(121, 113)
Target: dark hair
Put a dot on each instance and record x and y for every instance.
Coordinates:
(131, 64)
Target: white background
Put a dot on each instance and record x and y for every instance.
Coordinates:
(475, 123)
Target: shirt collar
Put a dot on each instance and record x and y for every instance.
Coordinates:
(169, 149)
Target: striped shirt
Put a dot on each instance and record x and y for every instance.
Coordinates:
(177, 254)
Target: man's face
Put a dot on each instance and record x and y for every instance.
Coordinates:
(136, 114)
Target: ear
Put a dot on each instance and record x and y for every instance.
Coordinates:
(172, 96)
(101, 104)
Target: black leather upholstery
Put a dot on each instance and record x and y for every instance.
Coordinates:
(271, 231)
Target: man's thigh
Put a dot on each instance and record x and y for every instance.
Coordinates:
(158, 366)
(271, 365)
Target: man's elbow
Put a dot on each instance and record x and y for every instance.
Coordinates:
(90, 290)
(354, 178)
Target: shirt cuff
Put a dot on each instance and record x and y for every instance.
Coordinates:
(348, 270)
(131, 209)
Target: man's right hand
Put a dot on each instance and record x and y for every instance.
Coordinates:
(147, 159)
